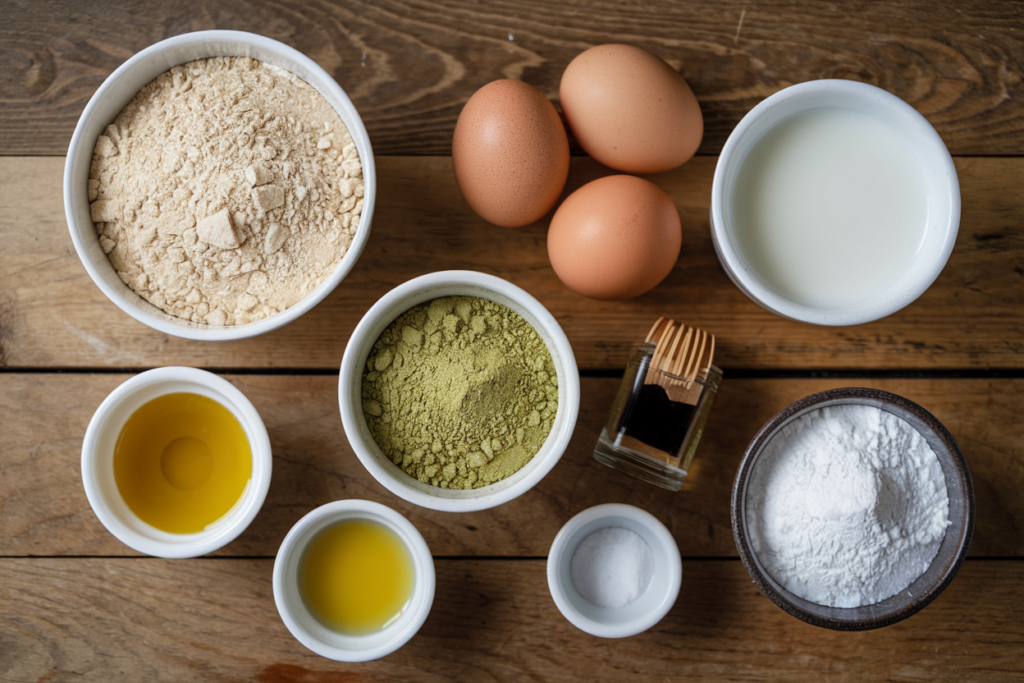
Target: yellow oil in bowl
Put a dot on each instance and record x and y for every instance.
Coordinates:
(182, 461)
(356, 576)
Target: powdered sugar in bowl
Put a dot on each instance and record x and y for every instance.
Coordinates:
(853, 509)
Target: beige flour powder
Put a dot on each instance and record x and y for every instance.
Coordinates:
(226, 191)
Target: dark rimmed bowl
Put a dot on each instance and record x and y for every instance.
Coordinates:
(951, 551)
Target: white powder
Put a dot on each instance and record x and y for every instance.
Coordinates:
(612, 567)
(847, 506)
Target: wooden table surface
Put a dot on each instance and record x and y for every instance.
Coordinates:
(77, 604)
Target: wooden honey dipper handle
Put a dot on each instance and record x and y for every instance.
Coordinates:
(680, 353)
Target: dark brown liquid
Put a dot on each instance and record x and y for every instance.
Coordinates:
(654, 419)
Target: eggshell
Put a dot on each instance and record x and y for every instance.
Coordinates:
(630, 110)
(510, 153)
(615, 238)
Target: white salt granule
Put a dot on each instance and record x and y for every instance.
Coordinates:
(612, 567)
(847, 506)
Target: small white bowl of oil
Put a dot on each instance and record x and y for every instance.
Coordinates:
(354, 580)
(834, 203)
(176, 462)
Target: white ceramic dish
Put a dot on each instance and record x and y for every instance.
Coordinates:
(420, 290)
(119, 89)
(324, 641)
(649, 608)
(98, 462)
(940, 180)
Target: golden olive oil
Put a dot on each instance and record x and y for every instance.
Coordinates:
(356, 576)
(182, 462)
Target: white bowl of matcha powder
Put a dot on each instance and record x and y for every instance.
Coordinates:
(458, 391)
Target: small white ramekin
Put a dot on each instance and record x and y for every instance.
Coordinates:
(98, 462)
(943, 192)
(649, 608)
(317, 637)
(118, 90)
(420, 290)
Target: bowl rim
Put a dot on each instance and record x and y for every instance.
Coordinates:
(351, 406)
(355, 508)
(847, 396)
(759, 293)
(558, 555)
(224, 41)
(224, 530)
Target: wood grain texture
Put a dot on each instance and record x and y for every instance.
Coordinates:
(76, 604)
(44, 511)
(409, 66)
(494, 620)
(52, 315)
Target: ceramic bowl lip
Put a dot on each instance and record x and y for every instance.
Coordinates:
(163, 56)
(112, 513)
(289, 602)
(880, 614)
(738, 143)
(564, 545)
(425, 288)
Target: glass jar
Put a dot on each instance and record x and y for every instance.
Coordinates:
(656, 421)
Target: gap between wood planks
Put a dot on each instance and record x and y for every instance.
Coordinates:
(585, 373)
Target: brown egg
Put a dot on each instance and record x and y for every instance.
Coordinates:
(630, 110)
(510, 153)
(615, 238)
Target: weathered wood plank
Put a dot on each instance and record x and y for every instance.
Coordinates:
(491, 621)
(409, 67)
(51, 315)
(44, 511)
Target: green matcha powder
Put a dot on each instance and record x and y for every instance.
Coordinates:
(460, 392)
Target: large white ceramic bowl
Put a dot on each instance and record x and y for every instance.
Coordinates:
(325, 641)
(939, 177)
(119, 89)
(98, 462)
(645, 611)
(420, 290)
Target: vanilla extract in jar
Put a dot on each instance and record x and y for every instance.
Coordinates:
(662, 404)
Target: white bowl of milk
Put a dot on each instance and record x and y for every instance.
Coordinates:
(834, 203)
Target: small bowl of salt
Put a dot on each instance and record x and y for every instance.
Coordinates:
(853, 509)
(614, 571)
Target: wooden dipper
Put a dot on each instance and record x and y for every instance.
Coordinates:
(681, 352)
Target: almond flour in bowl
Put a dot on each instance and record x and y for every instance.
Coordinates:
(226, 191)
